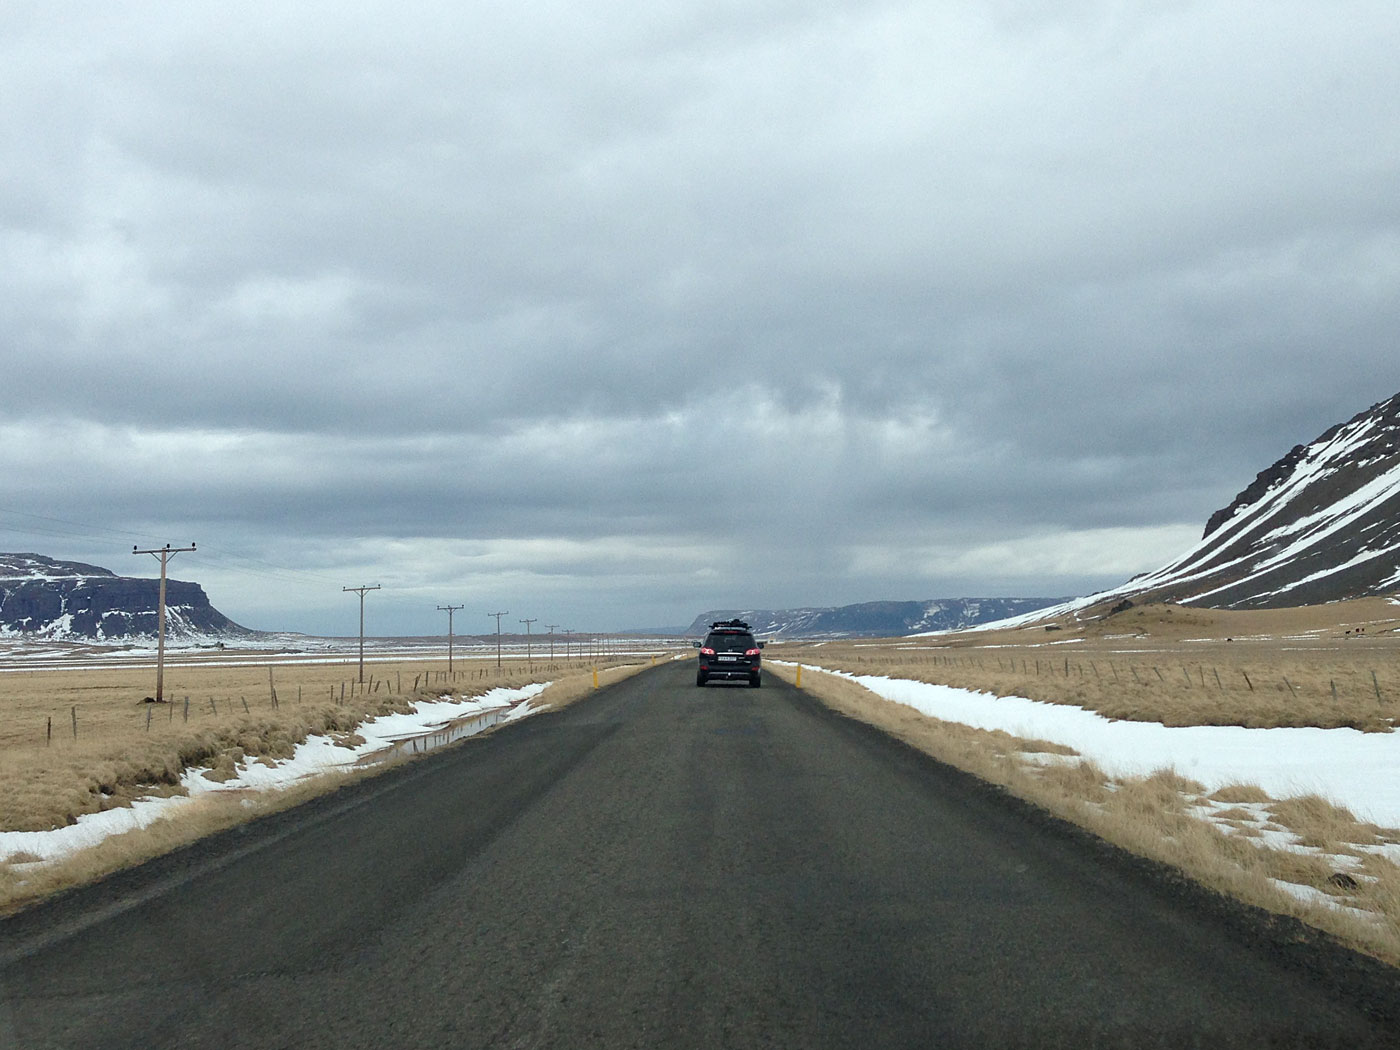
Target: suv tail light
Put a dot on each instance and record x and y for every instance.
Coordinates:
(750, 652)
(706, 652)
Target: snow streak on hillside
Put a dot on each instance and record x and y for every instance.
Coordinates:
(1321, 524)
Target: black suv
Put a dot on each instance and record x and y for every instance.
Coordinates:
(729, 652)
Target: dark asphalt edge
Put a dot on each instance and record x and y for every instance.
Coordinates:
(70, 911)
(1367, 983)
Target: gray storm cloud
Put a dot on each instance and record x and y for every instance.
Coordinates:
(798, 303)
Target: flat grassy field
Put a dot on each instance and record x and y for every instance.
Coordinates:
(79, 740)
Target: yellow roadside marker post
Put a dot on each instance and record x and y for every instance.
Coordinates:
(799, 676)
(595, 678)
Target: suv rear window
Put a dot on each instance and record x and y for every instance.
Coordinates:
(730, 642)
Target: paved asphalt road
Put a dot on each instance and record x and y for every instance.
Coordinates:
(663, 866)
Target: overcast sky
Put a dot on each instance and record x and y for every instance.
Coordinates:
(608, 314)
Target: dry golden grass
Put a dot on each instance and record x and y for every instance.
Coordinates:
(1240, 793)
(1329, 666)
(124, 748)
(1321, 824)
(1159, 817)
(22, 881)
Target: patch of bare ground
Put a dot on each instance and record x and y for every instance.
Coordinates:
(119, 754)
(1300, 857)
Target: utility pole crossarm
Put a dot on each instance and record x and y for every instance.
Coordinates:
(449, 609)
(529, 656)
(498, 616)
(361, 592)
(164, 554)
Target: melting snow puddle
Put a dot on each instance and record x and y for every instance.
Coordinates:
(439, 736)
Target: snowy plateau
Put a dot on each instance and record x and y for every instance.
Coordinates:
(45, 599)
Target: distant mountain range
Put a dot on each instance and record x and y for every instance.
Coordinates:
(67, 600)
(875, 619)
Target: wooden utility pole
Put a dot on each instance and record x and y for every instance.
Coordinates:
(164, 554)
(361, 592)
(498, 616)
(449, 609)
(529, 658)
(551, 627)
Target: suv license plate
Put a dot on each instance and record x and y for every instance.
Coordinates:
(728, 659)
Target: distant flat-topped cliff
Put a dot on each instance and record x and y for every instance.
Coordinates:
(64, 600)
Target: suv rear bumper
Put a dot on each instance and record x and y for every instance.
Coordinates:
(729, 672)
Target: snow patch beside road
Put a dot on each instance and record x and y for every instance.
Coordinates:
(1360, 771)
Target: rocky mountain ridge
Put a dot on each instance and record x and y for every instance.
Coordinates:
(42, 597)
(1321, 524)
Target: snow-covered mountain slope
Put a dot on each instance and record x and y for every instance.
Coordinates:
(874, 619)
(44, 598)
(1321, 524)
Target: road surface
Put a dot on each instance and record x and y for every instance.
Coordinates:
(666, 866)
